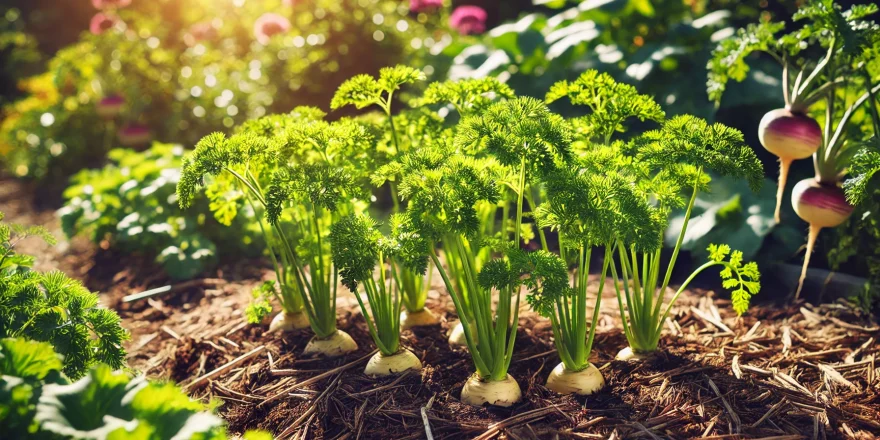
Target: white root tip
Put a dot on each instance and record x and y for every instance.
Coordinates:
(337, 344)
(422, 318)
(380, 365)
(457, 337)
(478, 392)
(584, 382)
(628, 354)
(811, 242)
(287, 322)
(784, 166)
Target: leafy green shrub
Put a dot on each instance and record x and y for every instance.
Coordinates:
(132, 204)
(53, 308)
(37, 401)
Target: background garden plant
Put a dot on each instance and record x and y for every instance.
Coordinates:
(584, 195)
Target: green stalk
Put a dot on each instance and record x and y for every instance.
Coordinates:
(482, 369)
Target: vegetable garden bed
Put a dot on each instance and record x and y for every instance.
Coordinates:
(778, 372)
(346, 219)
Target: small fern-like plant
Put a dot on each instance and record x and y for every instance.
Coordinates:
(53, 308)
(313, 179)
(358, 248)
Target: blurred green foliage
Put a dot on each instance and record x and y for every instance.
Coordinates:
(132, 204)
(186, 68)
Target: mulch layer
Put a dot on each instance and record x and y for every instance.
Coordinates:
(779, 372)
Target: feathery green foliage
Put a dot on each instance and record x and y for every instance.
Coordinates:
(521, 132)
(468, 97)
(358, 247)
(865, 181)
(618, 195)
(53, 308)
(363, 90)
(692, 141)
(673, 160)
(300, 173)
(610, 103)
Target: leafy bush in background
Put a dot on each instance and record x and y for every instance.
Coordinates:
(38, 402)
(661, 47)
(185, 68)
(131, 203)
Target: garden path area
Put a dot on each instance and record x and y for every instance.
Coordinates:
(781, 373)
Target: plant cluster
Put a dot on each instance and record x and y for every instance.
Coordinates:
(469, 191)
(53, 308)
(830, 72)
(38, 401)
(130, 205)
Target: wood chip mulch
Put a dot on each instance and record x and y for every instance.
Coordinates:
(779, 372)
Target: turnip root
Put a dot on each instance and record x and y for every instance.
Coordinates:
(790, 136)
(457, 337)
(584, 382)
(380, 365)
(421, 318)
(478, 391)
(286, 322)
(821, 205)
(337, 344)
(628, 354)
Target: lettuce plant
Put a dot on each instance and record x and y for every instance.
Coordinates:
(38, 401)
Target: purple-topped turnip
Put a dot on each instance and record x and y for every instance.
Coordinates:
(790, 136)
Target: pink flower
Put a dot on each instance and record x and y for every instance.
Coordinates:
(103, 4)
(101, 22)
(468, 20)
(199, 32)
(110, 106)
(288, 3)
(425, 5)
(134, 135)
(270, 24)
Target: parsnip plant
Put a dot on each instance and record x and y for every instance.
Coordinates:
(363, 91)
(677, 158)
(313, 181)
(358, 247)
(631, 190)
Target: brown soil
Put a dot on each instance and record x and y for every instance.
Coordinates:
(791, 372)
